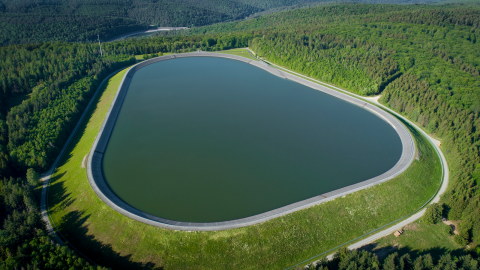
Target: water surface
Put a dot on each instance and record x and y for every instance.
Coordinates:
(206, 139)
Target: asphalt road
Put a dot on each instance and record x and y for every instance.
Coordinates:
(148, 31)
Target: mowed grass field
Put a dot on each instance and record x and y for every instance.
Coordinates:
(239, 52)
(113, 240)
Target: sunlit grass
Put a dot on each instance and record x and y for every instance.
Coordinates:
(420, 239)
(239, 52)
(140, 56)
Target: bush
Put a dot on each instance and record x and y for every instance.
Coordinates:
(433, 214)
(32, 177)
(448, 230)
(460, 240)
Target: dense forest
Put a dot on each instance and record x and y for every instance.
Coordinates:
(362, 259)
(24, 244)
(27, 28)
(27, 21)
(56, 80)
(43, 91)
(423, 60)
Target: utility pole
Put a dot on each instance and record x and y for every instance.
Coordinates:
(101, 53)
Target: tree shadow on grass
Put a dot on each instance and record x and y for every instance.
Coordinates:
(73, 226)
(74, 231)
(57, 194)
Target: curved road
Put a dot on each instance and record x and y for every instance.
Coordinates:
(147, 31)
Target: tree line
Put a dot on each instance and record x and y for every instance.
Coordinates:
(50, 84)
(362, 259)
(56, 80)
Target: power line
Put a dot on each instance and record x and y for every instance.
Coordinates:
(101, 53)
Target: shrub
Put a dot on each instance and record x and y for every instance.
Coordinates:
(433, 214)
(32, 177)
(460, 240)
(448, 230)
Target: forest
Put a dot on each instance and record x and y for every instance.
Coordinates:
(423, 60)
(362, 259)
(24, 243)
(43, 91)
(28, 21)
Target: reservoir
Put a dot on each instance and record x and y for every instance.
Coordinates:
(204, 139)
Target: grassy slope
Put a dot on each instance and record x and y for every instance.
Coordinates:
(239, 52)
(119, 242)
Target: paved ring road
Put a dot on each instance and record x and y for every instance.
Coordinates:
(100, 186)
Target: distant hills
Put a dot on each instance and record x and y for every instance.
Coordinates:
(27, 21)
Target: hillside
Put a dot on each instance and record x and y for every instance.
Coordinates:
(27, 21)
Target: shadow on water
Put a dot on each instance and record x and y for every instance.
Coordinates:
(74, 230)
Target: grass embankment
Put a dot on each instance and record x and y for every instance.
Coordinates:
(116, 241)
(239, 52)
(140, 56)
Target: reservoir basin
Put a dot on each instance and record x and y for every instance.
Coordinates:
(204, 139)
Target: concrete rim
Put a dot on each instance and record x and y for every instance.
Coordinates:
(99, 185)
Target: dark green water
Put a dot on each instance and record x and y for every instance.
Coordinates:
(210, 139)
